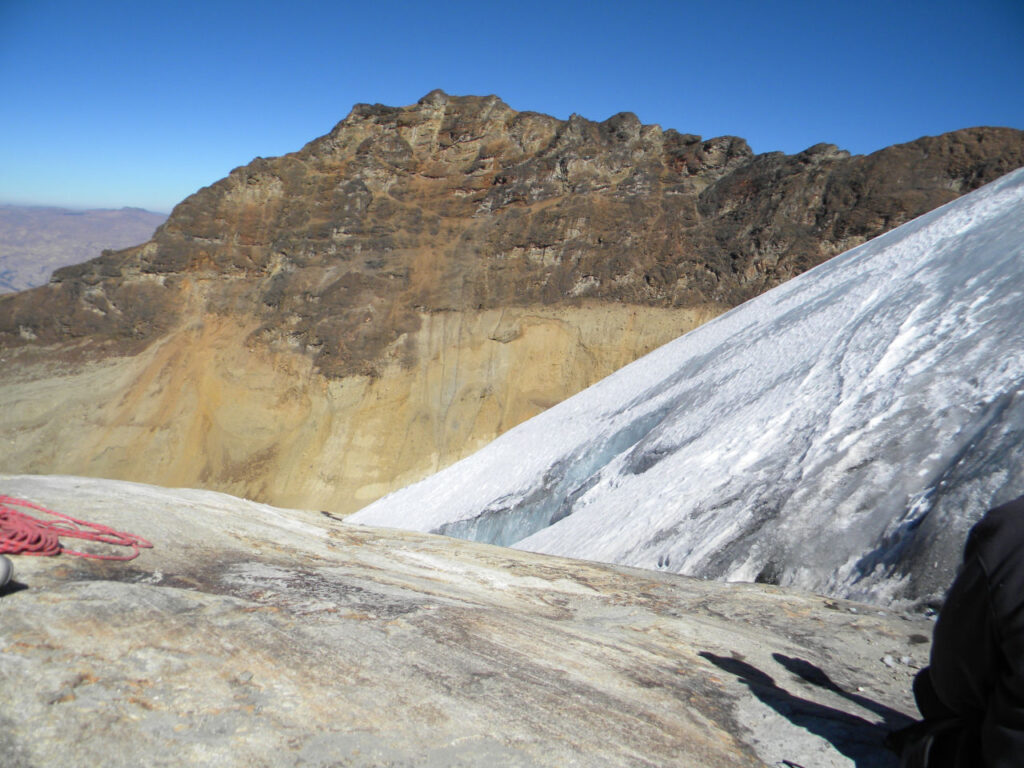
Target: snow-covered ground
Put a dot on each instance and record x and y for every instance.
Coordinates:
(840, 433)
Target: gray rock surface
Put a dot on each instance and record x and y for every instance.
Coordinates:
(255, 636)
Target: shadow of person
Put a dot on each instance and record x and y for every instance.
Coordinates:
(894, 719)
(851, 735)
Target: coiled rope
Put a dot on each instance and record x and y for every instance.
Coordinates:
(24, 534)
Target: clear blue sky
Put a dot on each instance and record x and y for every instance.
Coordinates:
(110, 103)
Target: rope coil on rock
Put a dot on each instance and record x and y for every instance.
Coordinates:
(24, 534)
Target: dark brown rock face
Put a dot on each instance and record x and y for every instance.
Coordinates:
(461, 203)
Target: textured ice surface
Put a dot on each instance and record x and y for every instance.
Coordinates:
(839, 433)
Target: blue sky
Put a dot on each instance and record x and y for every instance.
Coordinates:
(112, 103)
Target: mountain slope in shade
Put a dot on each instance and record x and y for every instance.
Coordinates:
(839, 433)
(35, 240)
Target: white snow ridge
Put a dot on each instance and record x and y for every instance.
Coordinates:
(839, 433)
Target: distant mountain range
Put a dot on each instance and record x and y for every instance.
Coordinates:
(320, 328)
(35, 240)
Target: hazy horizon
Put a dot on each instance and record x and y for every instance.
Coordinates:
(79, 208)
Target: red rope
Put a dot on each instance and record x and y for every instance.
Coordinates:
(23, 534)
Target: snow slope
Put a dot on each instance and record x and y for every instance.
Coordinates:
(839, 433)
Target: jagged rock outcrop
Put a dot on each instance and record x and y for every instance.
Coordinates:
(401, 290)
(255, 636)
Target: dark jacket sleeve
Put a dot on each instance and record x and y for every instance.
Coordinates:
(1001, 552)
(978, 648)
(964, 642)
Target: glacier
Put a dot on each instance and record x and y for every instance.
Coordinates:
(839, 434)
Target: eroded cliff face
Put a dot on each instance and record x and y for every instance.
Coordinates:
(321, 328)
(206, 407)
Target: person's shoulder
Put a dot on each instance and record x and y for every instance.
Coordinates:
(999, 535)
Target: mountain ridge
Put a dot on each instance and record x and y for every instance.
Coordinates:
(420, 279)
(486, 157)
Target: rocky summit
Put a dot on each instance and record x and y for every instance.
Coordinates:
(320, 328)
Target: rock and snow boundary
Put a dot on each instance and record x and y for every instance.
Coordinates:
(839, 433)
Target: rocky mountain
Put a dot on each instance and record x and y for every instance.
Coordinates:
(35, 240)
(257, 636)
(320, 328)
(839, 433)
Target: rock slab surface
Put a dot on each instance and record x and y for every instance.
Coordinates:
(256, 636)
